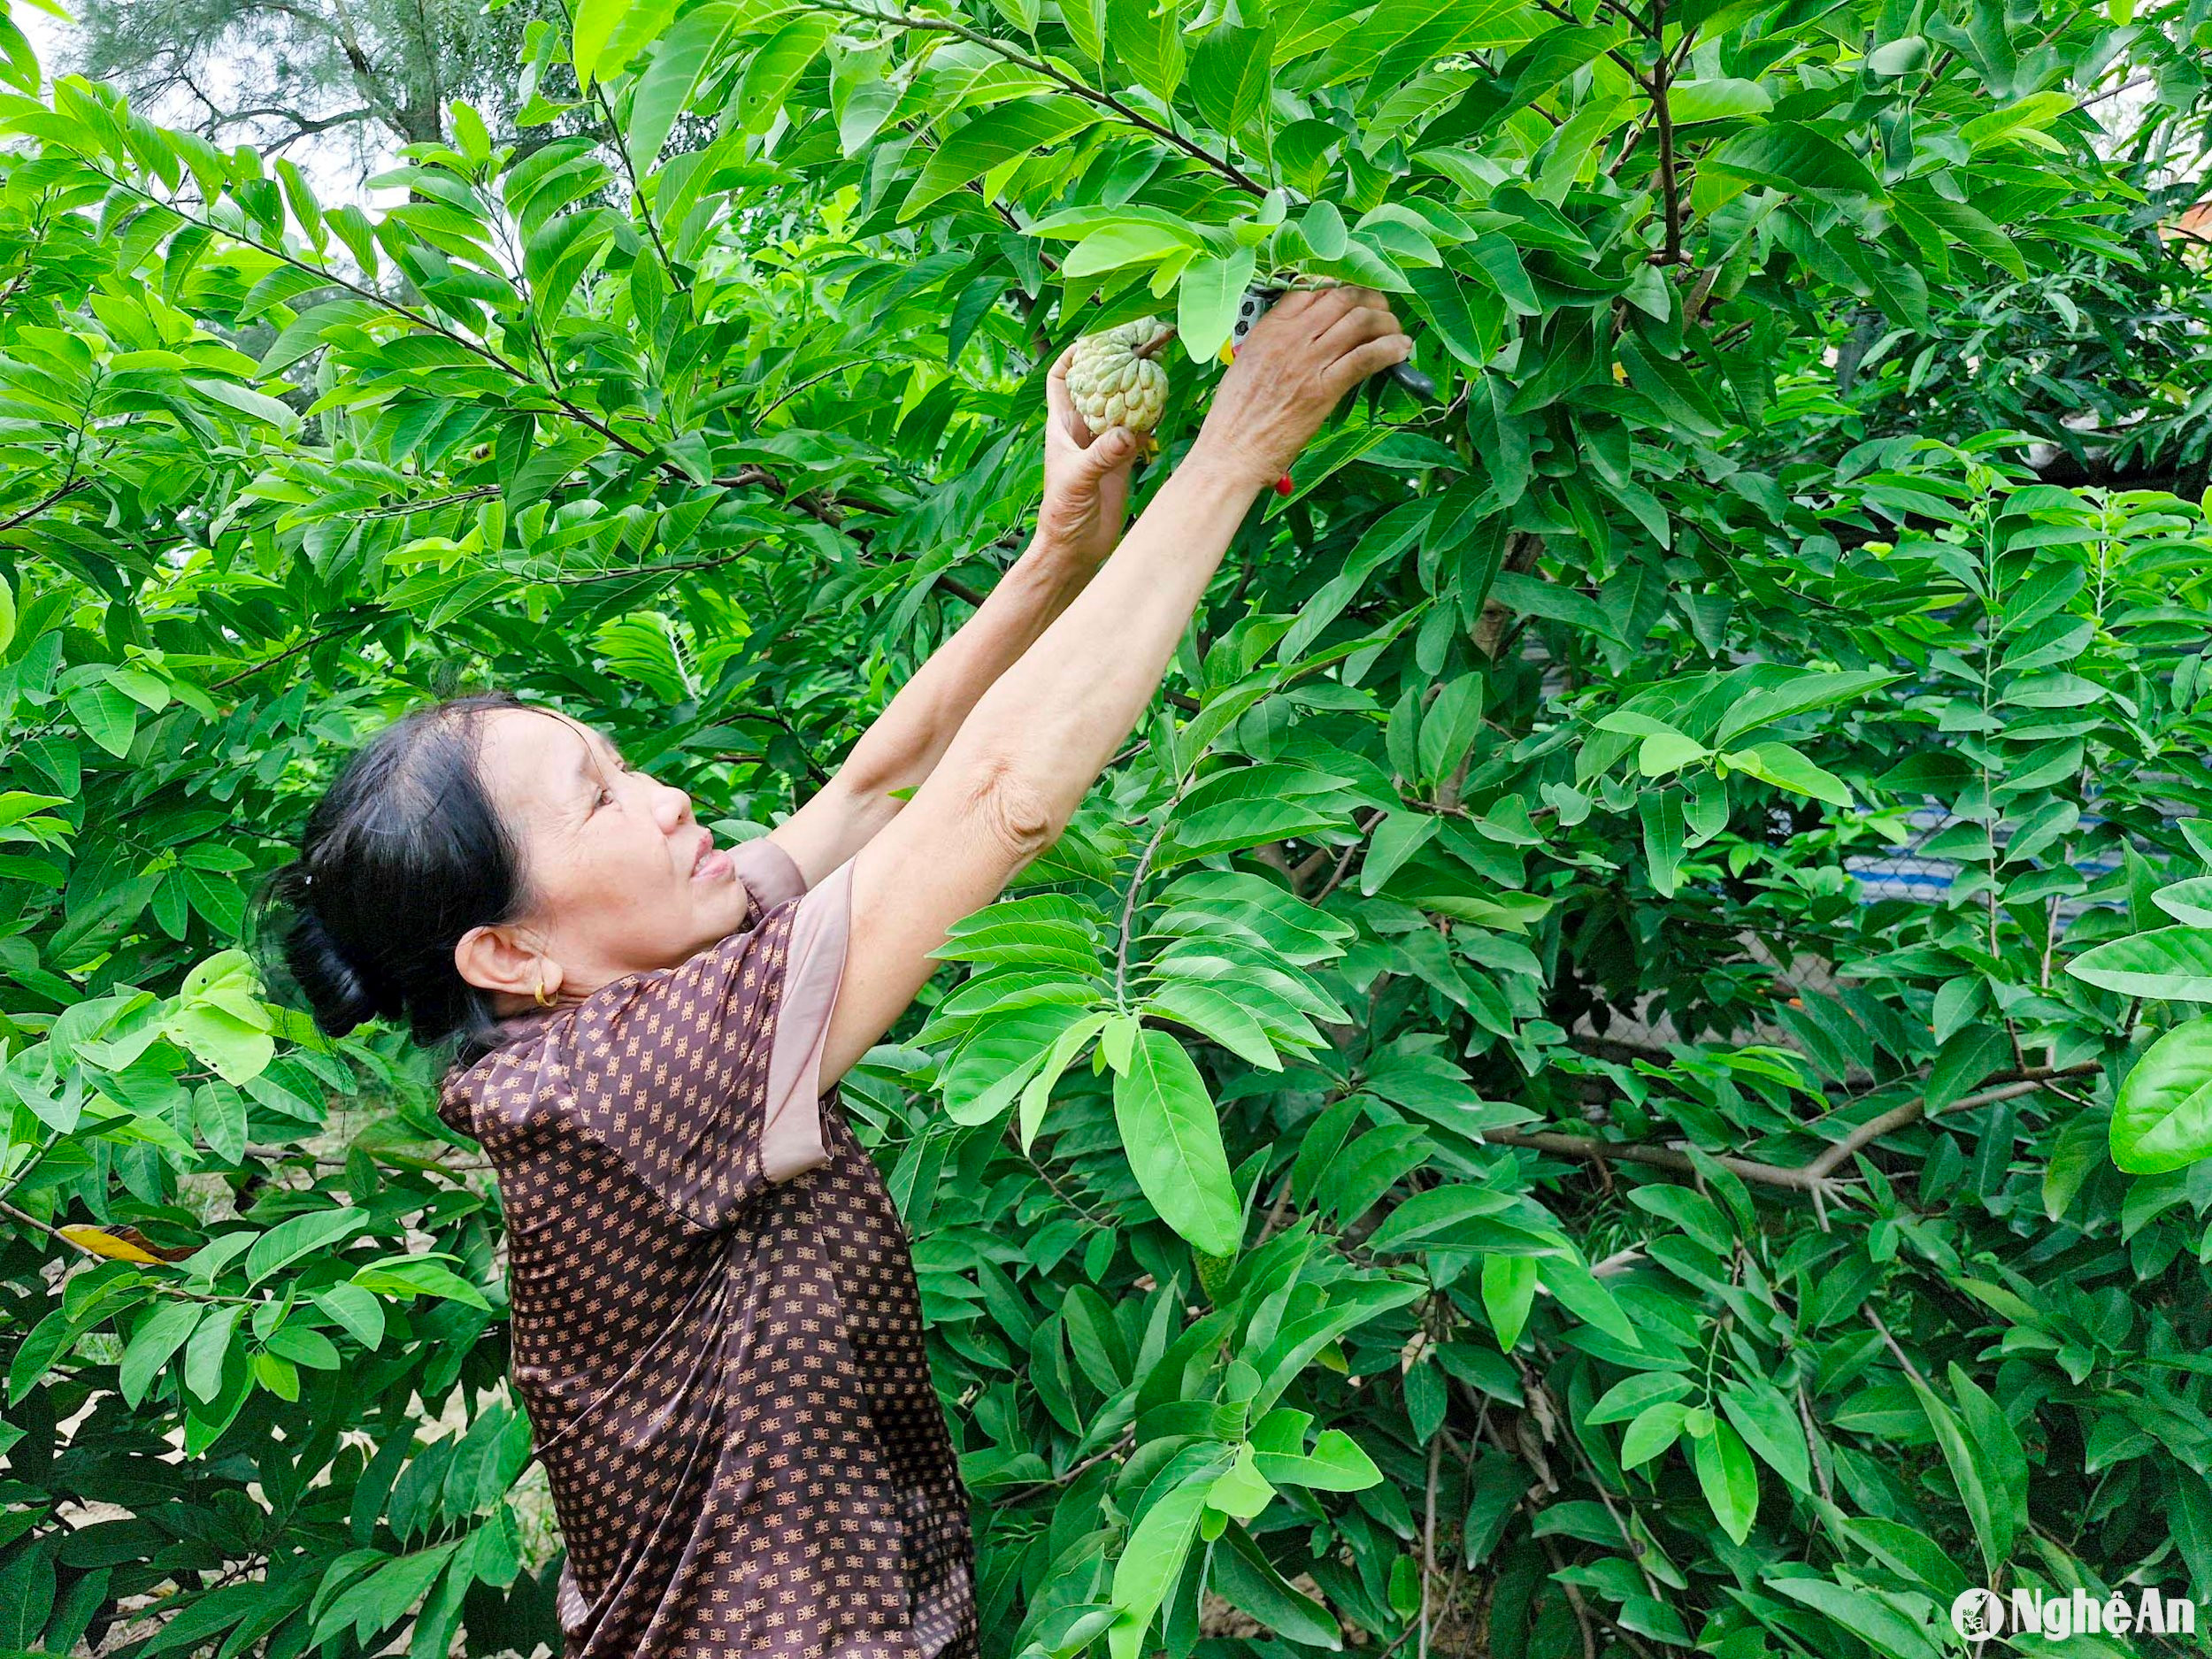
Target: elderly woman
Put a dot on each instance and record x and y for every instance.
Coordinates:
(716, 1329)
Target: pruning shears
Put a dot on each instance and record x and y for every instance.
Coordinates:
(1255, 303)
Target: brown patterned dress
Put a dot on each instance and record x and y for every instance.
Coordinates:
(716, 1327)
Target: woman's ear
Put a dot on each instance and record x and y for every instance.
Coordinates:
(496, 959)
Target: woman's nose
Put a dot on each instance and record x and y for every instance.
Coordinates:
(681, 803)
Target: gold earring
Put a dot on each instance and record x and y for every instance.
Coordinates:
(542, 999)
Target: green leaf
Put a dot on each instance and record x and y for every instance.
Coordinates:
(1900, 57)
(1802, 693)
(153, 1345)
(593, 22)
(1152, 1561)
(666, 85)
(1418, 1220)
(2163, 1120)
(1240, 1490)
(1337, 1464)
(1967, 1056)
(109, 718)
(1689, 1209)
(1174, 1139)
(238, 1049)
(1663, 754)
(1215, 1014)
(1322, 225)
(2171, 963)
(1240, 1571)
(1660, 811)
(2189, 901)
(1000, 1056)
(1037, 1093)
(775, 68)
(546, 468)
(1997, 1449)
(381, 1598)
(1229, 75)
(1467, 319)
(1450, 728)
(206, 1353)
(1792, 155)
(258, 406)
(406, 1276)
(1726, 1476)
(1207, 299)
(1086, 21)
(1508, 1290)
(1499, 262)
(307, 333)
(2020, 121)
(1770, 1426)
(1655, 1428)
(289, 1240)
(1147, 35)
(1113, 246)
(1866, 1616)
(1396, 838)
(1786, 768)
(1584, 1295)
(1719, 99)
(1401, 38)
(46, 1341)
(1995, 1526)
(1634, 1393)
(355, 1309)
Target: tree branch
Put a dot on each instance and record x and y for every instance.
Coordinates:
(498, 360)
(1814, 1176)
(44, 503)
(1129, 908)
(1227, 168)
(311, 641)
(1669, 188)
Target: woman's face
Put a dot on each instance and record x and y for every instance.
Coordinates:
(622, 877)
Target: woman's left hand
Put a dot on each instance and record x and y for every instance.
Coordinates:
(1086, 478)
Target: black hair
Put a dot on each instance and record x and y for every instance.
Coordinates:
(404, 854)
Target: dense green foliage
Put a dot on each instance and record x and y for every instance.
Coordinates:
(1301, 1237)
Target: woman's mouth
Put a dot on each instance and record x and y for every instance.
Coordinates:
(714, 865)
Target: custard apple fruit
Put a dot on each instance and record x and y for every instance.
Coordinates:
(1115, 381)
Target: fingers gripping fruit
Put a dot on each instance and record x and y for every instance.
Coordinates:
(1115, 379)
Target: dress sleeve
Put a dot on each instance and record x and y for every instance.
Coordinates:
(769, 875)
(791, 1140)
(671, 1069)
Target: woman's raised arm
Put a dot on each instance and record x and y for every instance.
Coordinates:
(1038, 739)
(1086, 490)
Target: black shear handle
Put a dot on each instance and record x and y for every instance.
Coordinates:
(1259, 298)
(1413, 381)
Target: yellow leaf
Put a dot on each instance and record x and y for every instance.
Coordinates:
(107, 1244)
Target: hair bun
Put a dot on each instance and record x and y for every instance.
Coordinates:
(409, 852)
(336, 993)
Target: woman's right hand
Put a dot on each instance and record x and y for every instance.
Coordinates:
(1312, 347)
